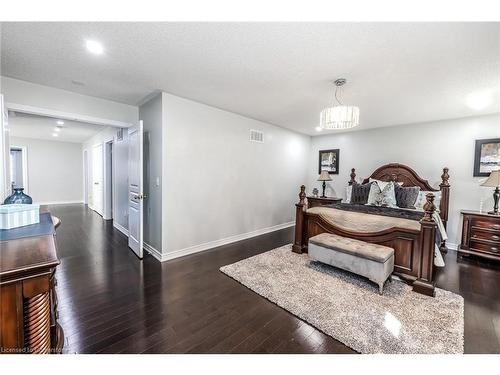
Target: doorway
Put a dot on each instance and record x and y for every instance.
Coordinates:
(86, 192)
(18, 168)
(97, 179)
(108, 181)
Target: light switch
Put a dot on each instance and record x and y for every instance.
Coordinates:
(157, 181)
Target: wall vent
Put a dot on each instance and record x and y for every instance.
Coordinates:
(256, 136)
(119, 134)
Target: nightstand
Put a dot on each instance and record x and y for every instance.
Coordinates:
(318, 201)
(480, 235)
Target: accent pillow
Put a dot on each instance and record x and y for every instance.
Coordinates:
(359, 194)
(406, 197)
(422, 199)
(385, 197)
(348, 193)
(383, 184)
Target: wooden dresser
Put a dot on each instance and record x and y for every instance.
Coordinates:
(28, 305)
(318, 201)
(480, 235)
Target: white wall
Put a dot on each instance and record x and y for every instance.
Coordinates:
(50, 98)
(218, 184)
(151, 115)
(54, 170)
(426, 147)
(120, 154)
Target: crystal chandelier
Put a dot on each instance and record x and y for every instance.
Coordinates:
(339, 116)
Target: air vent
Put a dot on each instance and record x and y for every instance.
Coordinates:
(256, 136)
(119, 134)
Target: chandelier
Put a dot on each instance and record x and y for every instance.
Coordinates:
(339, 116)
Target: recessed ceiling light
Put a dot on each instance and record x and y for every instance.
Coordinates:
(318, 128)
(55, 135)
(60, 122)
(57, 129)
(479, 100)
(94, 47)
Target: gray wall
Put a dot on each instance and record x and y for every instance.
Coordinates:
(219, 184)
(426, 147)
(55, 170)
(151, 115)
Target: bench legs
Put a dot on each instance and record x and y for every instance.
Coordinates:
(381, 284)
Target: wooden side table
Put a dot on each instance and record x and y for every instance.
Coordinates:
(318, 201)
(480, 235)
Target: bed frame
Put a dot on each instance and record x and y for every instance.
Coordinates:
(414, 250)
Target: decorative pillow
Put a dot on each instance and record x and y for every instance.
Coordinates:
(359, 194)
(383, 184)
(374, 193)
(421, 199)
(406, 197)
(385, 197)
(348, 193)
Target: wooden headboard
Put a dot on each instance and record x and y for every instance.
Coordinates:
(402, 173)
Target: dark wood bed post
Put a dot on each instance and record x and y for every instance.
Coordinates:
(299, 244)
(353, 177)
(424, 283)
(445, 199)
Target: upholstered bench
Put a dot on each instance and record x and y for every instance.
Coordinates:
(375, 262)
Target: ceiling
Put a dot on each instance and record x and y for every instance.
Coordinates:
(281, 73)
(39, 127)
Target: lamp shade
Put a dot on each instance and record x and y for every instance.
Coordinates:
(493, 180)
(324, 176)
(339, 117)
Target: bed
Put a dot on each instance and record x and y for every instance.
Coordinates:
(412, 235)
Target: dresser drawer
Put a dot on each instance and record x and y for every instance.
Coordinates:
(484, 248)
(486, 223)
(485, 234)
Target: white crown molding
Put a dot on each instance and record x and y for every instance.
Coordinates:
(210, 245)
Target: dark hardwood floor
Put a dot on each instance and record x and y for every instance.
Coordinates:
(111, 302)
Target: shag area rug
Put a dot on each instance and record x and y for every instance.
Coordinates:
(349, 307)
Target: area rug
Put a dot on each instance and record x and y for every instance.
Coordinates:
(350, 309)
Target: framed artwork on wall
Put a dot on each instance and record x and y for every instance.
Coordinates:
(486, 156)
(329, 161)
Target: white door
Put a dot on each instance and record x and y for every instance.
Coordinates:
(97, 179)
(135, 189)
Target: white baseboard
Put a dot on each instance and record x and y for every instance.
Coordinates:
(58, 202)
(121, 228)
(451, 246)
(210, 245)
(155, 253)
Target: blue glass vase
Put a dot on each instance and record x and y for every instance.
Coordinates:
(18, 197)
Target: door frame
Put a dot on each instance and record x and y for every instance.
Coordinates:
(24, 162)
(85, 176)
(95, 145)
(108, 186)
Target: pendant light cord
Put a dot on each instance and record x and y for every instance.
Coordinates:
(337, 97)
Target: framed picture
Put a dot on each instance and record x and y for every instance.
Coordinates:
(329, 161)
(486, 157)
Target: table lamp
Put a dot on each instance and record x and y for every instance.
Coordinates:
(494, 181)
(325, 176)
